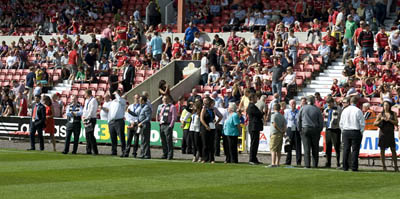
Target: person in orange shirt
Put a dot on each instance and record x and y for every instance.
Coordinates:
(370, 117)
(50, 125)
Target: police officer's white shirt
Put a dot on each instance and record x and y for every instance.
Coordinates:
(90, 108)
(117, 108)
(104, 114)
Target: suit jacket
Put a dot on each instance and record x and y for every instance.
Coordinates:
(255, 118)
(235, 23)
(41, 114)
(130, 75)
(144, 114)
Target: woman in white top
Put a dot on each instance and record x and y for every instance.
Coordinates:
(290, 83)
(394, 42)
(194, 131)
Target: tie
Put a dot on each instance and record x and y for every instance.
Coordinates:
(34, 116)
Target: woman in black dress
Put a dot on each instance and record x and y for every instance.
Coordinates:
(386, 121)
(207, 129)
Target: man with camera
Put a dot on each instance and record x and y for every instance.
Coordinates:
(132, 116)
(74, 113)
(89, 117)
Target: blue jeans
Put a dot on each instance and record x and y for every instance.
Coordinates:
(293, 54)
(368, 51)
(277, 88)
(352, 47)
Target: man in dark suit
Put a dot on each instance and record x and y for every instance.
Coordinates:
(233, 24)
(144, 119)
(37, 123)
(256, 125)
(128, 77)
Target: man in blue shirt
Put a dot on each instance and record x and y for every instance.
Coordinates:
(30, 82)
(189, 35)
(156, 46)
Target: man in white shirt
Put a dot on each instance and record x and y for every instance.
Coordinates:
(213, 77)
(324, 51)
(11, 61)
(132, 116)
(219, 128)
(352, 124)
(293, 43)
(204, 69)
(105, 107)
(89, 116)
(116, 123)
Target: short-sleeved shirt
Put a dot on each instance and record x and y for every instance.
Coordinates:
(30, 79)
(189, 34)
(350, 29)
(230, 125)
(279, 120)
(5, 103)
(72, 57)
(277, 73)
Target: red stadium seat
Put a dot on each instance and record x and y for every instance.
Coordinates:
(102, 87)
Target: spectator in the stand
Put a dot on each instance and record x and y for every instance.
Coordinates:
(366, 41)
(12, 61)
(289, 82)
(387, 121)
(73, 58)
(394, 41)
(193, 96)
(104, 67)
(314, 31)
(240, 14)
(288, 20)
(57, 105)
(351, 26)
(105, 42)
(6, 106)
(278, 75)
(369, 88)
(299, 8)
(382, 40)
(3, 49)
(22, 104)
(324, 51)
(128, 78)
(218, 41)
(113, 81)
(164, 89)
(156, 46)
(332, 43)
(189, 35)
(293, 44)
(233, 24)
(213, 76)
(197, 46)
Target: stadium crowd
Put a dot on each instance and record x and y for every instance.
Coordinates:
(243, 83)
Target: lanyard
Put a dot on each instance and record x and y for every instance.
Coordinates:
(87, 104)
(293, 115)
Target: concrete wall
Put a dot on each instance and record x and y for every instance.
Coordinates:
(185, 86)
(151, 84)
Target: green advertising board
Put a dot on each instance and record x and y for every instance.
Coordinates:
(102, 133)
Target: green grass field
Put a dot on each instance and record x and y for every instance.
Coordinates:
(53, 175)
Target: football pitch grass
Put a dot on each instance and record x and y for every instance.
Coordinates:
(36, 174)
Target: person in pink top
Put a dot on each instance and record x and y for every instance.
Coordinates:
(105, 42)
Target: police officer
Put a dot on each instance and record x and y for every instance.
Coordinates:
(74, 113)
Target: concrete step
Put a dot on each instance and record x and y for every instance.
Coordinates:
(332, 75)
(324, 78)
(333, 71)
(337, 63)
(320, 86)
(316, 90)
(323, 93)
(336, 67)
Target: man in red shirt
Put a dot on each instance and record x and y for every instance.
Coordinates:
(382, 39)
(331, 42)
(357, 32)
(332, 17)
(73, 62)
(120, 31)
(74, 27)
(372, 70)
(389, 78)
(22, 105)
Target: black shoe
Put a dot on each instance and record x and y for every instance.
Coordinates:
(41, 149)
(113, 154)
(170, 158)
(134, 155)
(73, 153)
(344, 169)
(164, 157)
(183, 152)
(122, 156)
(307, 167)
(147, 158)
(31, 149)
(64, 152)
(88, 153)
(354, 170)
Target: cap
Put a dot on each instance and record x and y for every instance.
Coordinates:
(215, 93)
(207, 93)
(348, 16)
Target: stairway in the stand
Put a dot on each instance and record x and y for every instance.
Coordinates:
(323, 81)
(60, 87)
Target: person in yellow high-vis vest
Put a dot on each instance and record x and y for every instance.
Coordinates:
(370, 117)
(187, 144)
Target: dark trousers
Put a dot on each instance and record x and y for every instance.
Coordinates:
(352, 142)
(254, 142)
(207, 138)
(76, 130)
(232, 150)
(132, 134)
(218, 134)
(332, 137)
(204, 79)
(197, 145)
(380, 52)
(91, 143)
(117, 128)
(310, 138)
(39, 130)
(295, 143)
(145, 140)
(105, 47)
(127, 86)
(166, 141)
(187, 143)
